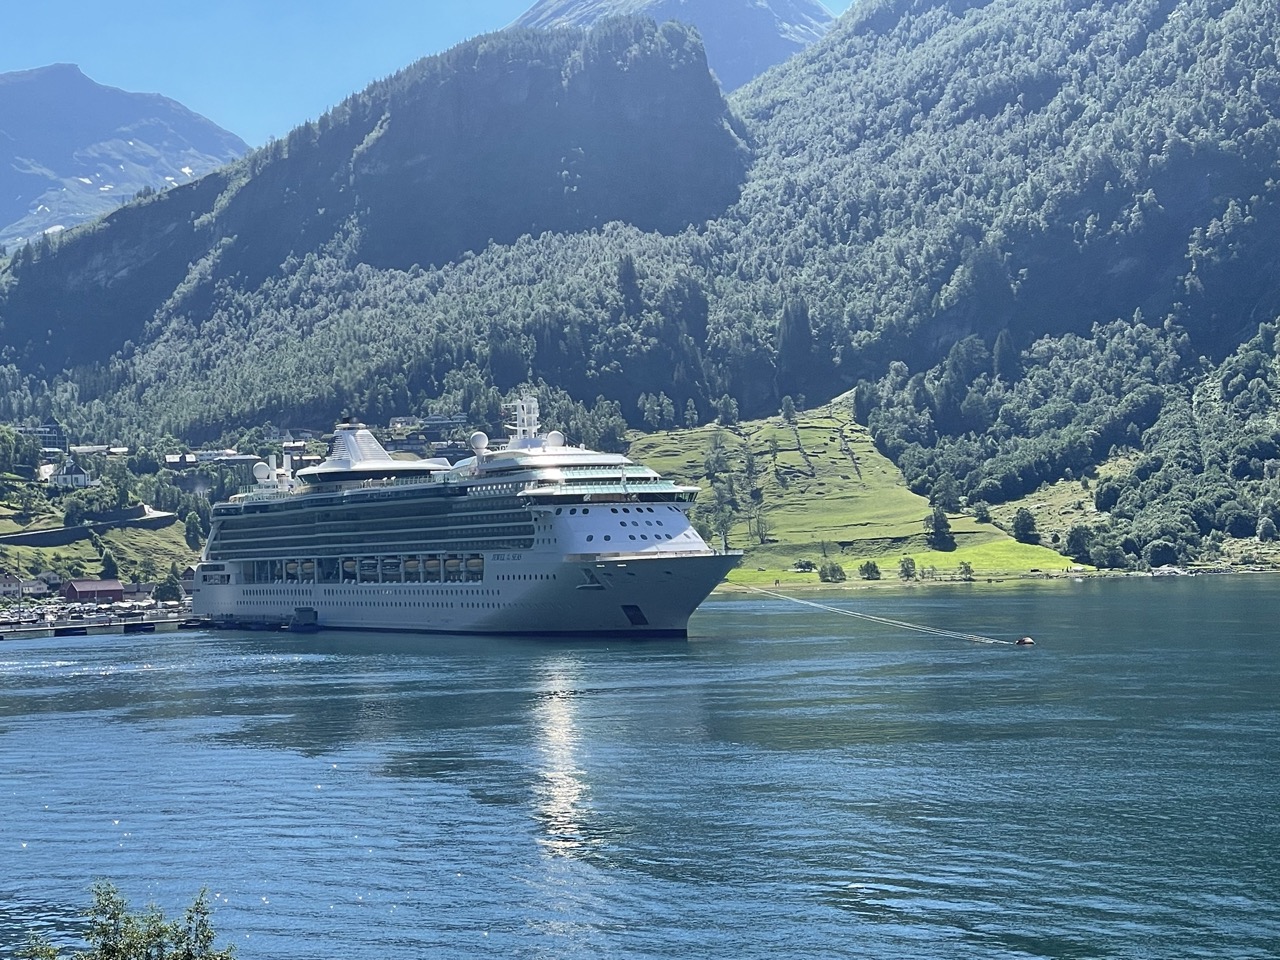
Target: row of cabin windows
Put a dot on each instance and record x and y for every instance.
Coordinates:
(631, 536)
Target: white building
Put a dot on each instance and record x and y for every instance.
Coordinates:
(71, 476)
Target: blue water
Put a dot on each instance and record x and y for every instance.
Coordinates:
(788, 782)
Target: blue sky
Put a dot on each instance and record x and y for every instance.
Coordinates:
(255, 67)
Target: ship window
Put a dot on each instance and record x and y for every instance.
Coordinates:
(559, 509)
(585, 511)
(607, 537)
(590, 537)
(633, 536)
(613, 509)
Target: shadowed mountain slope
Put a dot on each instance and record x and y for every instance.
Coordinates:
(511, 134)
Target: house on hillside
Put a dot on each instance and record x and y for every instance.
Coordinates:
(185, 461)
(138, 592)
(10, 586)
(51, 436)
(93, 591)
(36, 588)
(70, 476)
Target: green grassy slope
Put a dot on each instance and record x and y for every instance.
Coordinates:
(130, 546)
(824, 490)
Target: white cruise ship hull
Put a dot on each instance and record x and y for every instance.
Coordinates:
(605, 595)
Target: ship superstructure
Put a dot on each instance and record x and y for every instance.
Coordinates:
(531, 536)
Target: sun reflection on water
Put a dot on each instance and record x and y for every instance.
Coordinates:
(562, 795)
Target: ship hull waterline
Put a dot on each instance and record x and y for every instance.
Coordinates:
(634, 596)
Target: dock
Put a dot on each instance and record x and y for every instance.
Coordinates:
(162, 623)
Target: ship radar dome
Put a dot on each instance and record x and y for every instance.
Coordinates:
(479, 441)
(555, 439)
(261, 472)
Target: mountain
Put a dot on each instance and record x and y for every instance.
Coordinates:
(74, 149)
(744, 38)
(517, 133)
(1036, 239)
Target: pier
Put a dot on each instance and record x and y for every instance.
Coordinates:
(92, 627)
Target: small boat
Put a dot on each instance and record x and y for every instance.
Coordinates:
(304, 620)
(1024, 642)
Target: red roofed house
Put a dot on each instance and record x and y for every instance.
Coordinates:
(93, 591)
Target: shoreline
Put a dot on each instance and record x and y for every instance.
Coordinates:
(807, 582)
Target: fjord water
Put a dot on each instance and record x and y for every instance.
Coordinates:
(787, 782)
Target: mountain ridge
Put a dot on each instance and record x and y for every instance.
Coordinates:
(398, 176)
(743, 38)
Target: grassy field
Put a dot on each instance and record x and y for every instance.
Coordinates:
(130, 546)
(826, 492)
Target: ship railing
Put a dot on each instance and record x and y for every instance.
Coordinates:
(376, 482)
(254, 492)
(578, 487)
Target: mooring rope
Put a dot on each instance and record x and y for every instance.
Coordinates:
(917, 627)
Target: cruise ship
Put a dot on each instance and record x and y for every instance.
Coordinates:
(530, 536)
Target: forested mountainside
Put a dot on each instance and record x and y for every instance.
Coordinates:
(511, 134)
(744, 38)
(72, 149)
(1032, 234)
